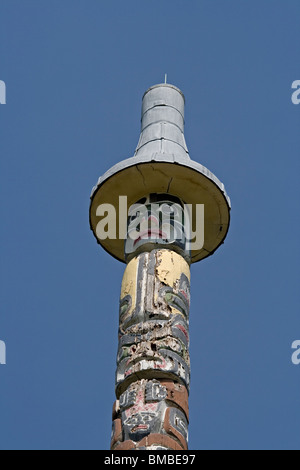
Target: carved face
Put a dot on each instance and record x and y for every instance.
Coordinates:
(140, 425)
(154, 322)
(156, 221)
(143, 410)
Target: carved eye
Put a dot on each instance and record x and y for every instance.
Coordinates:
(132, 420)
(148, 417)
(169, 297)
(171, 209)
(167, 209)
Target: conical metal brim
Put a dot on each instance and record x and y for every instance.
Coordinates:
(184, 178)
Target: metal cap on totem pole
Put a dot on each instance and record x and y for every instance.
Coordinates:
(161, 164)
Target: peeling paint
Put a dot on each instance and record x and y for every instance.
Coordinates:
(153, 347)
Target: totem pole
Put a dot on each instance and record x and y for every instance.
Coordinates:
(169, 212)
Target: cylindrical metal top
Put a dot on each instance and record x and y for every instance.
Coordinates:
(162, 122)
(161, 165)
(163, 102)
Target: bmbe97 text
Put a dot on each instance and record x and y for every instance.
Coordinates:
(169, 459)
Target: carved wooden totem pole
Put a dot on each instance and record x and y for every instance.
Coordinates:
(169, 212)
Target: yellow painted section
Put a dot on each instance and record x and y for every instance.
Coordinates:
(129, 283)
(130, 278)
(170, 266)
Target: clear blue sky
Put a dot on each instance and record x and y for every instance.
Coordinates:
(75, 72)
